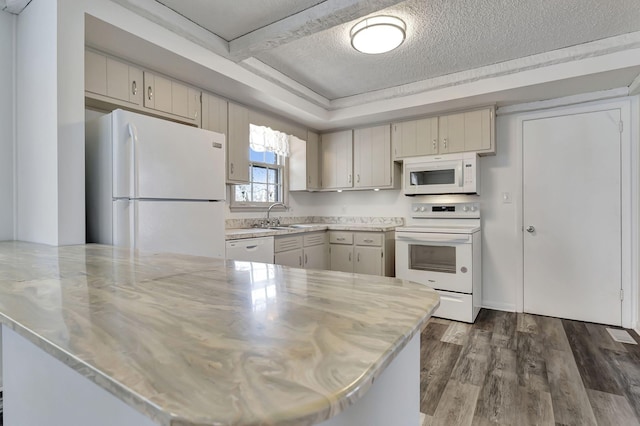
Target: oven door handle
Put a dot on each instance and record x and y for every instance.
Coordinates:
(433, 238)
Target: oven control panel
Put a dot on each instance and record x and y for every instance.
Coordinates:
(446, 210)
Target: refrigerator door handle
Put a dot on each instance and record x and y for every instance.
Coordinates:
(133, 178)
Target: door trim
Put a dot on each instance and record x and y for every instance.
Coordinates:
(628, 107)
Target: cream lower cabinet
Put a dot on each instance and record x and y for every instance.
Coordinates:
(370, 253)
(307, 251)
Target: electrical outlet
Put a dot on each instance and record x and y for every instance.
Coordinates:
(506, 198)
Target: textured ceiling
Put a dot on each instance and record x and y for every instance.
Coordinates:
(307, 42)
(232, 19)
(448, 36)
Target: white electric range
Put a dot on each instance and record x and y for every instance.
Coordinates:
(440, 247)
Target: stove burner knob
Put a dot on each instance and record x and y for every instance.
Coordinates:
(465, 209)
(415, 209)
(473, 208)
(421, 209)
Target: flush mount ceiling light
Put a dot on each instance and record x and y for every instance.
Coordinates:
(378, 34)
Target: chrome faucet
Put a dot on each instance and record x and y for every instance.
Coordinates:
(269, 212)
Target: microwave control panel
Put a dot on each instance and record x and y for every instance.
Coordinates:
(468, 174)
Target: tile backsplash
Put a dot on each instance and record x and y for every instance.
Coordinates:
(286, 220)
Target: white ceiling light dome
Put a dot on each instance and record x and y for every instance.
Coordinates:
(378, 34)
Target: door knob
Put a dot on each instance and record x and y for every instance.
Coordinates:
(531, 229)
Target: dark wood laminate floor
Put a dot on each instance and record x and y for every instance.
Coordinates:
(522, 369)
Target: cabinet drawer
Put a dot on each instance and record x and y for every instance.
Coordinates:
(287, 243)
(369, 239)
(341, 237)
(314, 239)
(455, 306)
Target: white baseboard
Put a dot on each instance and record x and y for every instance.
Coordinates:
(499, 306)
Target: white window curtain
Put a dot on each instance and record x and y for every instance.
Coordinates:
(263, 139)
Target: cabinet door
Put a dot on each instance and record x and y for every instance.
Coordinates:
(414, 138)
(315, 257)
(291, 258)
(195, 105)
(136, 86)
(179, 99)
(337, 159)
(117, 80)
(157, 92)
(214, 113)
(477, 130)
(372, 157)
(341, 258)
(95, 73)
(238, 144)
(368, 260)
(452, 133)
(313, 161)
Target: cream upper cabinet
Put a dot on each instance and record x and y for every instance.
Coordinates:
(414, 138)
(95, 71)
(451, 130)
(479, 128)
(304, 163)
(467, 131)
(337, 159)
(110, 78)
(459, 132)
(313, 160)
(372, 163)
(214, 113)
(238, 144)
(172, 97)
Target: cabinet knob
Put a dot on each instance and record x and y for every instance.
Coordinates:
(445, 143)
(306, 260)
(349, 257)
(358, 259)
(309, 179)
(231, 167)
(149, 93)
(435, 145)
(358, 177)
(134, 88)
(349, 178)
(299, 260)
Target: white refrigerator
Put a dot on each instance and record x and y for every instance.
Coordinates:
(155, 185)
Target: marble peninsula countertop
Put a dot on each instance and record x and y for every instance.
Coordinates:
(198, 341)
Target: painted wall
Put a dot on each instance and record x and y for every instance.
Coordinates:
(7, 123)
(36, 110)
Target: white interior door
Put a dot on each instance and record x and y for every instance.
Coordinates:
(572, 216)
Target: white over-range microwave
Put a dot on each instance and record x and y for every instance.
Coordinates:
(442, 174)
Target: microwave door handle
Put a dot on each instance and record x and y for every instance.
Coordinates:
(460, 168)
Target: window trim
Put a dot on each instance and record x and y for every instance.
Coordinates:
(248, 206)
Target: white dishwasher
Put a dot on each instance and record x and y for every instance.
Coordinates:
(251, 249)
